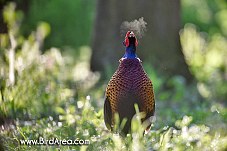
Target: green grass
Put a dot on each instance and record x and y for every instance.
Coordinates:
(55, 95)
(52, 100)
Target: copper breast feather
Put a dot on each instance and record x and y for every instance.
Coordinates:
(128, 86)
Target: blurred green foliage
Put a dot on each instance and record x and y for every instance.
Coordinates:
(206, 56)
(209, 15)
(71, 21)
(56, 95)
(204, 43)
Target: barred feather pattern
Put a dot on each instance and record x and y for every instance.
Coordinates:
(128, 86)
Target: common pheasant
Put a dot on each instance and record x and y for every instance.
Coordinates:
(128, 86)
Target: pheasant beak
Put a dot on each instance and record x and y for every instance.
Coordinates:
(131, 34)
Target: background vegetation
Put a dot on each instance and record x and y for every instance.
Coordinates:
(48, 90)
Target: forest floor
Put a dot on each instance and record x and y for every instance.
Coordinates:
(48, 104)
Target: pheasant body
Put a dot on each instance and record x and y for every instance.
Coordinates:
(128, 86)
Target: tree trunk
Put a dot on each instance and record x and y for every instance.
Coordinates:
(160, 46)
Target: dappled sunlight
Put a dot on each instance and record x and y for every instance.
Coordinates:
(81, 71)
(206, 57)
(55, 94)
